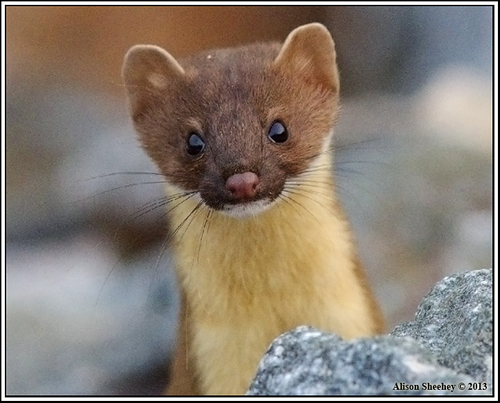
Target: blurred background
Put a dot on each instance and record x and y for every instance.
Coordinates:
(91, 303)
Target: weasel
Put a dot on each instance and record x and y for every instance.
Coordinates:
(261, 245)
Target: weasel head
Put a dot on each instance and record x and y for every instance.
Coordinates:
(235, 126)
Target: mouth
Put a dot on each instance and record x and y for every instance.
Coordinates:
(240, 210)
(246, 209)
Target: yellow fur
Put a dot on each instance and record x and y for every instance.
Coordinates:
(248, 280)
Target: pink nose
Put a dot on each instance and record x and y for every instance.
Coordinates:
(243, 186)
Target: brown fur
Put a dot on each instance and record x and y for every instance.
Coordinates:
(245, 280)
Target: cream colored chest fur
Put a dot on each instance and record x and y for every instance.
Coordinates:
(247, 281)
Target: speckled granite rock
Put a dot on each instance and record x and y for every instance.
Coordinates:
(447, 349)
(455, 323)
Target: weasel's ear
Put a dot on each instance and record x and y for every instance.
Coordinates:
(309, 50)
(148, 69)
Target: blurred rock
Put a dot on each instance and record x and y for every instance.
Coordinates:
(456, 104)
(449, 342)
(80, 320)
(81, 164)
(396, 48)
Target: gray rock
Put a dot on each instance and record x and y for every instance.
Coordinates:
(447, 349)
(84, 322)
(407, 43)
(455, 323)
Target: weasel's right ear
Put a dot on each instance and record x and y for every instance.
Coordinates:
(147, 70)
(309, 50)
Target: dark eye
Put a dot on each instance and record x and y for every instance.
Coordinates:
(195, 144)
(278, 132)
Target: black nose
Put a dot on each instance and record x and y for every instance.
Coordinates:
(243, 186)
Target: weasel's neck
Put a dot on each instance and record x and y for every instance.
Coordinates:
(254, 254)
(247, 281)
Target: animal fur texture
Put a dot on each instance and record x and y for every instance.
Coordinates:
(250, 269)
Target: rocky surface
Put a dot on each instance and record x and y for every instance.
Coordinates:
(446, 349)
(454, 322)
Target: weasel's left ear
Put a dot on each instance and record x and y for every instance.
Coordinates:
(147, 70)
(309, 51)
